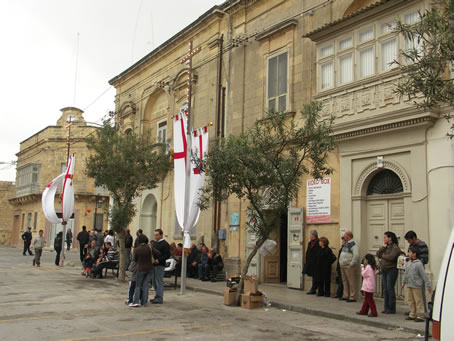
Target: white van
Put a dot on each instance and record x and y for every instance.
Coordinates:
(443, 306)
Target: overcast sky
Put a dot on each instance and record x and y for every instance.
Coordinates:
(38, 57)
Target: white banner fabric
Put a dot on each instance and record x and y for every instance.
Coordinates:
(179, 156)
(68, 190)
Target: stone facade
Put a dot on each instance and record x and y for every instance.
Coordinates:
(7, 191)
(276, 53)
(41, 158)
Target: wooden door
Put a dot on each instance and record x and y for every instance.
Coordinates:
(396, 222)
(377, 221)
(271, 262)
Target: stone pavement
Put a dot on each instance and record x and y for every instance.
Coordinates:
(296, 300)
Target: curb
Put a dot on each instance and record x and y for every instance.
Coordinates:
(314, 312)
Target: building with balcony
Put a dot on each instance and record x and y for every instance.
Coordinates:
(40, 159)
(7, 191)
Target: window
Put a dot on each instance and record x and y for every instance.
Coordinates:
(327, 71)
(345, 43)
(28, 175)
(365, 52)
(29, 220)
(23, 221)
(346, 69)
(162, 132)
(388, 54)
(366, 62)
(412, 43)
(277, 82)
(35, 221)
(366, 35)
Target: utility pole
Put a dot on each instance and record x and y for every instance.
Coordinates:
(187, 60)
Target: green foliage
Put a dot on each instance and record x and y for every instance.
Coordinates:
(265, 164)
(427, 66)
(125, 165)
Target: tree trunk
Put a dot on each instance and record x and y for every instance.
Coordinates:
(121, 266)
(246, 268)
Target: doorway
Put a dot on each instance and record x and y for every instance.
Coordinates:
(148, 215)
(385, 208)
(275, 264)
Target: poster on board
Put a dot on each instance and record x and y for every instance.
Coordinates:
(318, 201)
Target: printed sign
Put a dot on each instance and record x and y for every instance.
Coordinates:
(234, 219)
(318, 202)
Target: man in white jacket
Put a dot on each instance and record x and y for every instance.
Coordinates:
(38, 244)
(348, 260)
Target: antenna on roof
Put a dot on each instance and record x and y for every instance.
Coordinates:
(76, 68)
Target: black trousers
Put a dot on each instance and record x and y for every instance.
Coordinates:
(27, 244)
(82, 252)
(324, 284)
(57, 258)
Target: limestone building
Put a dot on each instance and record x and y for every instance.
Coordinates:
(41, 158)
(282, 54)
(7, 191)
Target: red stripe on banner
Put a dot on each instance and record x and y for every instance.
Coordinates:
(181, 155)
(205, 129)
(67, 176)
(197, 170)
(195, 133)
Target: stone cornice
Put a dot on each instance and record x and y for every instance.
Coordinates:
(429, 120)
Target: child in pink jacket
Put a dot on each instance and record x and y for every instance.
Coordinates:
(368, 271)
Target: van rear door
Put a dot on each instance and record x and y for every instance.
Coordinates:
(443, 308)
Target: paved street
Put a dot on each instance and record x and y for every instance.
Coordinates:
(52, 303)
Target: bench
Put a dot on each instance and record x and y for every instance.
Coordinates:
(173, 268)
(114, 266)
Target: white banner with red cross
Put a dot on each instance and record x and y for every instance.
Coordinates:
(48, 198)
(199, 142)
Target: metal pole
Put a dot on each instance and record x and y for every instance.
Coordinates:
(188, 169)
(63, 237)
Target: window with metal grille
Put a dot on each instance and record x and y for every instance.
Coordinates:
(385, 182)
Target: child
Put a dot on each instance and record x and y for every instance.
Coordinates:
(132, 283)
(414, 278)
(368, 271)
(88, 264)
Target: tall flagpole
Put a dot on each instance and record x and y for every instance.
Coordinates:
(187, 59)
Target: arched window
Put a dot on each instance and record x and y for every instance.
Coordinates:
(385, 182)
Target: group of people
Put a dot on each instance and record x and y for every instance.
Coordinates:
(204, 263)
(319, 260)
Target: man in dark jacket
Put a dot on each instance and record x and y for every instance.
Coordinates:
(128, 246)
(27, 238)
(161, 252)
(138, 233)
(58, 245)
(83, 238)
(192, 268)
(215, 264)
(312, 252)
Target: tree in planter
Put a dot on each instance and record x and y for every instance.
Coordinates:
(125, 165)
(265, 165)
(428, 64)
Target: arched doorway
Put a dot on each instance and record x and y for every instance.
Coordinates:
(385, 207)
(148, 215)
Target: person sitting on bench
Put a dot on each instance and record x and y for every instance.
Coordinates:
(111, 257)
(215, 264)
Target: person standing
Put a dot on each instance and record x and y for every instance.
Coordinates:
(348, 260)
(128, 246)
(415, 278)
(83, 238)
(340, 286)
(413, 241)
(38, 244)
(323, 268)
(388, 255)
(161, 252)
(27, 238)
(368, 271)
(312, 253)
(58, 244)
(69, 239)
(142, 257)
(138, 233)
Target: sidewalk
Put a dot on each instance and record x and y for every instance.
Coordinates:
(295, 300)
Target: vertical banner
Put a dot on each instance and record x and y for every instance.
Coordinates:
(318, 201)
